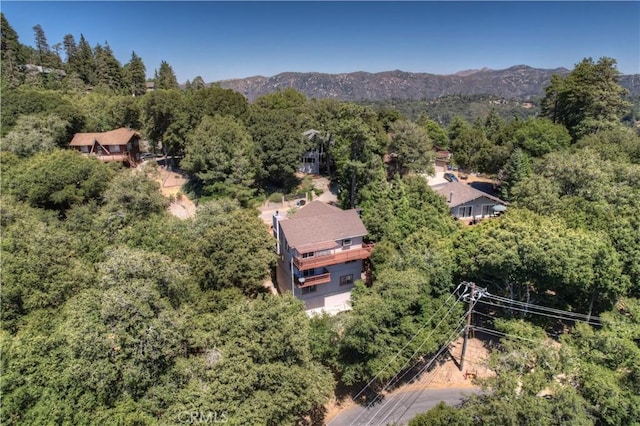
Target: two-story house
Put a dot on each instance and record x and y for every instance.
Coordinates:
(121, 145)
(321, 253)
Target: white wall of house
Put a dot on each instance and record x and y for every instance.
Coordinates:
(478, 208)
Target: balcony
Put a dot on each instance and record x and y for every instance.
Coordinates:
(338, 256)
(322, 278)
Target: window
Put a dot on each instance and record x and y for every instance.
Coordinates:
(464, 211)
(308, 273)
(115, 148)
(307, 255)
(324, 252)
(346, 242)
(487, 210)
(309, 290)
(346, 279)
(84, 149)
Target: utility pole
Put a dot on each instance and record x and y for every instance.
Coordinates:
(466, 329)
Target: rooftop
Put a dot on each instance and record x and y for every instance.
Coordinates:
(458, 193)
(318, 224)
(113, 137)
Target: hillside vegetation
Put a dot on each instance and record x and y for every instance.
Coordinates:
(116, 312)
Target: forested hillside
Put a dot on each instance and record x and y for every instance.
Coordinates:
(519, 82)
(116, 312)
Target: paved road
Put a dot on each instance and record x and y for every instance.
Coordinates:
(399, 407)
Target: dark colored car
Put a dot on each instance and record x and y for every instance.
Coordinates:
(450, 177)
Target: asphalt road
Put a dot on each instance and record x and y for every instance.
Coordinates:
(399, 407)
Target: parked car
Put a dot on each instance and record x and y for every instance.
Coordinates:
(148, 156)
(450, 177)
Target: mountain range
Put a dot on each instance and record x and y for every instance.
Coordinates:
(517, 82)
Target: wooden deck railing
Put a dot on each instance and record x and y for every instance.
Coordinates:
(323, 278)
(338, 256)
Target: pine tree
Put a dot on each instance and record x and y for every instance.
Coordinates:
(84, 63)
(588, 99)
(198, 83)
(135, 75)
(166, 78)
(42, 46)
(108, 69)
(517, 168)
(10, 54)
(70, 47)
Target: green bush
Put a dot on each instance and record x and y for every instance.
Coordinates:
(276, 197)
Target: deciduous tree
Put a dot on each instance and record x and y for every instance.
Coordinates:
(34, 133)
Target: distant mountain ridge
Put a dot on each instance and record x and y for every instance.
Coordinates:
(517, 82)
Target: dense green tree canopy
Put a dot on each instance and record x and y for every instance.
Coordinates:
(410, 149)
(115, 312)
(34, 133)
(58, 179)
(525, 255)
(221, 153)
(589, 99)
(276, 126)
(11, 54)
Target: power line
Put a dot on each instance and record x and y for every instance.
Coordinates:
(543, 308)
(539, 313)
(395, 378)
(401, 398)
(472, 301)
(407, 344)
(474, 297)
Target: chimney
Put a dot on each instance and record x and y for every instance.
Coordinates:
(450, 196)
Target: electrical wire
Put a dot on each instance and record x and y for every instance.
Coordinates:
(406, 345)
(446, 345)
(395, 378)
(402, 397)
(539, 313)
(542, 308)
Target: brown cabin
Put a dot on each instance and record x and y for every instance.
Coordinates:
(121, 145)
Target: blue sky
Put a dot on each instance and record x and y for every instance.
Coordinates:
(222, 40)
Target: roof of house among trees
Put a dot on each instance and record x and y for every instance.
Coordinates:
(458, 193)
(113, 137)
(318, 225)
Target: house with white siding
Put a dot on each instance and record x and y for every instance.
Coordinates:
(467, 202)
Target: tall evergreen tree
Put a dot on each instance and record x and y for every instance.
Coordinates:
(588, 99)
(42, 46)
(108, 69)
(11, 55)
(84, 65)
(165, 78)
(70, 47)
(135, 75)
(198, 83)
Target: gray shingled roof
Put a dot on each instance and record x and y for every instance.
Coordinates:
(318, 223)
(458, 193)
